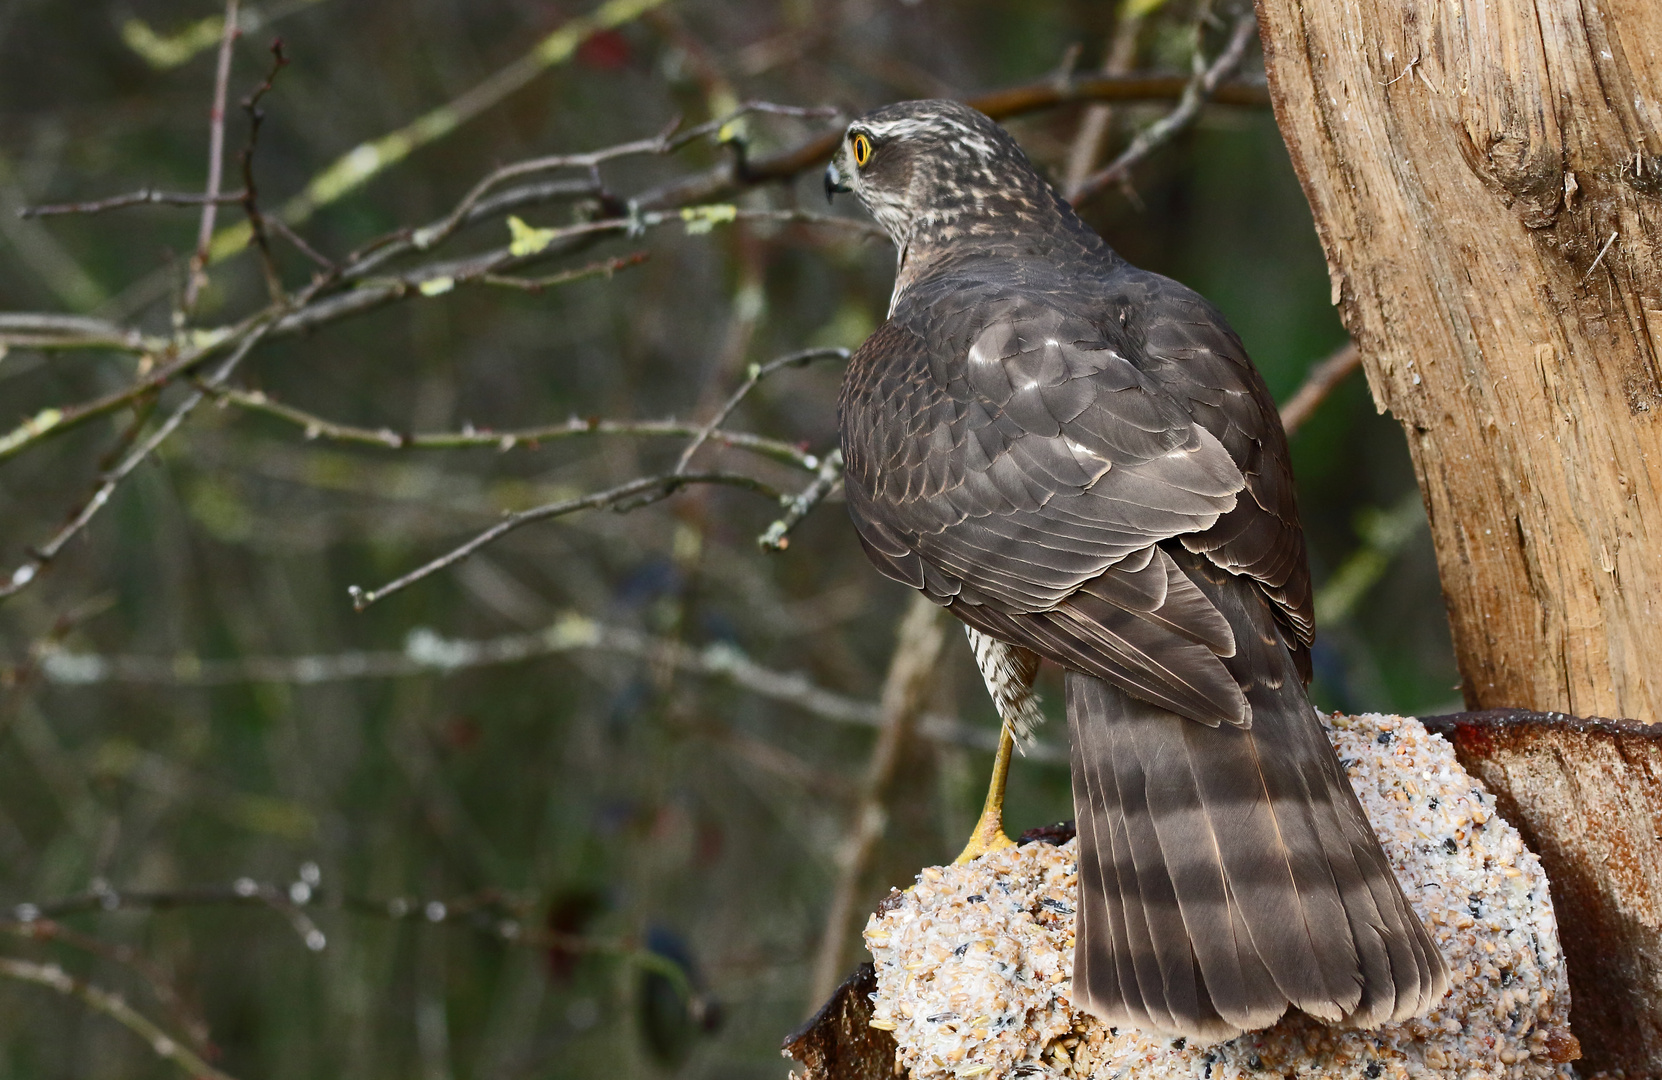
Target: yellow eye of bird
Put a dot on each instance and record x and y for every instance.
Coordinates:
(862, 150)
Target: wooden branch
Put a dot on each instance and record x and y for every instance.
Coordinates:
(28, 571)
(141, 197)
(1586, 795)
(426, 653)
(1467, 166)
(314, 426)
(641, 491)
(42, 330)
(757, 373)
(489, 912)
(1096, 125)
(828, 479)
(838, 1042)
(367, 160)
(1202, 85)
(216, 156)
(113, 1006)
(1323, 378)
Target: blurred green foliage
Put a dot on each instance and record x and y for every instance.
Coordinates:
(614, 803)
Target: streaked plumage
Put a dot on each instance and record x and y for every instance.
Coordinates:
(1077, 458)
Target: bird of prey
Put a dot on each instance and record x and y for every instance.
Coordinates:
(1077, 459)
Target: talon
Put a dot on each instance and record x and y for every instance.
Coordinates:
(989, 833)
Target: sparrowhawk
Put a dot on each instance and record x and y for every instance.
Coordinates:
(1077, 459)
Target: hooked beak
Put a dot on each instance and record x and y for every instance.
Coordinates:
(834, 182)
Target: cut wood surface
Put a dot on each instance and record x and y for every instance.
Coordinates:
(1487, 185)
(1586, 795)
(838, 1042)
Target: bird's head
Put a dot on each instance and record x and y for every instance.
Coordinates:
(933, 171)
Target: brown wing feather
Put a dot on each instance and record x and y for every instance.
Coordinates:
(1031, 478)
(1199, 359)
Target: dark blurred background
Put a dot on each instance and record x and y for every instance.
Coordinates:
(632, 861)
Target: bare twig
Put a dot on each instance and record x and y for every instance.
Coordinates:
(281, 228)
(905, 693)
(367, 160)
(426, 653)
(309, 309)
(41, 330)
(42, 556)
(1095, 124)
(1202, 87)
(632, 495)
(443, 229)
(250, 201)
(216, 157)
(195, 1028)
(1321, 381)
(141, 197)
(533, 245)
(489, 912)
(317, 427)
(113, 1006)
(605, 268)
(314, 308)
(53, 421)
(757, 373)
(830, 475)
(665, 142)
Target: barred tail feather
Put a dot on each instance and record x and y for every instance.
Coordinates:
(1238, 874)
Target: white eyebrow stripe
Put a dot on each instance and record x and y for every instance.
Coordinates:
(887, 128)
(965, 133)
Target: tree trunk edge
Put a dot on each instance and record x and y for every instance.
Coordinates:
(1472, 174)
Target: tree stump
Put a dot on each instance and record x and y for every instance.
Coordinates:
(1586, 795)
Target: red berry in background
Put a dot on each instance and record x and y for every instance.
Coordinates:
(608, 50)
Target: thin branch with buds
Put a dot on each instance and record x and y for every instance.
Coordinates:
(753, 378)
(40, 330)
(153, 978)
(490, 912)
(316, 427)
(42, 557)
(605, 268)
(426, 653)
(637, 493)
(1202, 87)
(116, 1008)
(216, 157)
(141, 197)
(250, 202)
(828, 479)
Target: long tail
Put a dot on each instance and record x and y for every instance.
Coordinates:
(1226, 873)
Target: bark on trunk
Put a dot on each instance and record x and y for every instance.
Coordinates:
(1487, 184)
(1587, 797)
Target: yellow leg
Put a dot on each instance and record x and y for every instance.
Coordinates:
(989, 831)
